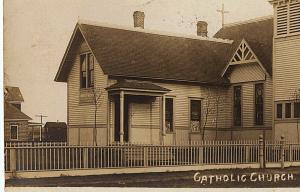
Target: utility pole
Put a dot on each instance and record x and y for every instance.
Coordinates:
(223, 12)
(41, 116)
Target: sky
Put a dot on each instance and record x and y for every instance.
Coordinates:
(37, 32)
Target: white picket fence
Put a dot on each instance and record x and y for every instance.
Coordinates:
(63, 157)
(33, 143)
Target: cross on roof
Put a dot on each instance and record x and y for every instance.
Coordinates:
(223, 12)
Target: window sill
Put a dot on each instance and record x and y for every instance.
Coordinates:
(291, 120)
(86, 89)
(195, 132)
(169, 132)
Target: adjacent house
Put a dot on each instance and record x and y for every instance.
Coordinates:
(55, 131)
(286, 69)
(15, 121)
(141, 86)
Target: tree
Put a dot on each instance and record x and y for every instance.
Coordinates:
(212, 103)
(96, 95)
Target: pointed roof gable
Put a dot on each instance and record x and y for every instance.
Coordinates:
(133, 53)
(243, 55)
(13, 94)
(257, 33)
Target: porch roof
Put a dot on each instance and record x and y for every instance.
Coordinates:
(137, 86)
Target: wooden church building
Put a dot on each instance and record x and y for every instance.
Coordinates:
(130, 84)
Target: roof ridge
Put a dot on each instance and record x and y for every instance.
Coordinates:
(258, 19)
(156, 32)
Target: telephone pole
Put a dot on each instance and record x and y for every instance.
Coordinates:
(223, 12)
(41, 116)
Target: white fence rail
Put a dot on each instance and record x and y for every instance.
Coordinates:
(33, 143)
(63, 157)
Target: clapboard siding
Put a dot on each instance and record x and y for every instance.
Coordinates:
(83, 113)
(246, 72)
(248, 102)
(247, 75)
(268, 113)
(182, 95)
(286, 67)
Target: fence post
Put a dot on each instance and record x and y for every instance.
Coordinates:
(13, 160)
(85, 157)
(201, 149)
(145, 156)
(261, 151)
(247, 151)
(282, 151)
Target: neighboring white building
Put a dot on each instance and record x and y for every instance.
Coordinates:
(286, 69)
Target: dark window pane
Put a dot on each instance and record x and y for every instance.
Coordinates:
(259, 104)
(195, 115)
(169, 115)
(288, 110)
(237, 108)
(83, 74)
(195, 110)
(296, 110)
(83, 62)
(14, 132)
(279, 111)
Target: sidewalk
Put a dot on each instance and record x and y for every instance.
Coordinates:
(288, 177)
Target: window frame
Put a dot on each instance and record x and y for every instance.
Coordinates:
(241, 106)
(281, 114)
(172, 129)
(293, 110)
(190, 113)
(256, 123)
(88, 83)
(17, 128)
(285, 110)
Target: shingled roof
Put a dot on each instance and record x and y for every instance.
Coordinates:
(13, 94)
(130, 53)
(137, 86)
(13, 113)
(140, 54)
(258, 34)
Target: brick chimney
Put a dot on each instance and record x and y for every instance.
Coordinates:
(202, 28)
(138, 19)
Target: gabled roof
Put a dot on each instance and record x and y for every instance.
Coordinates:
(135, 85)
(143, 54)
(257, 33)
(13, 113)
(132, 53)
(60, 125)
(13, 94)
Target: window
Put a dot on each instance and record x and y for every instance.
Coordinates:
(14, 132)
(169, 115)
(259, 104)
(279, 111)
(86, 70)
(237, 108)
(195, 115)
(288, 110)
(297, 110)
